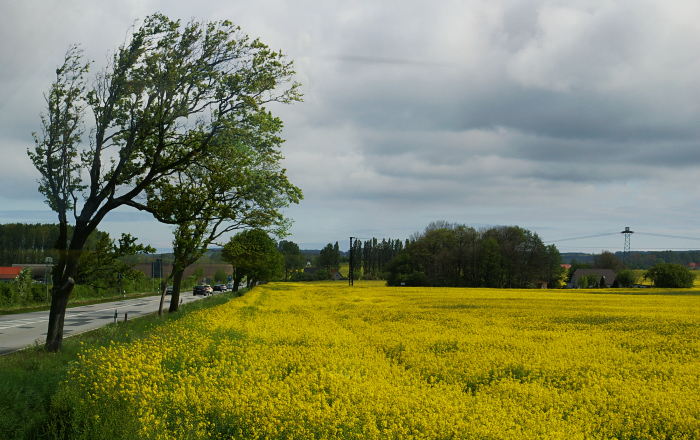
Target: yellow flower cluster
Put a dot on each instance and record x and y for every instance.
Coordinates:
(328, 361)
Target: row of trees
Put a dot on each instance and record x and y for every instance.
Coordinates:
(450, 254)
(180, 131)
(372, 258)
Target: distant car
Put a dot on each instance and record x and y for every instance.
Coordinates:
(169, 290)
(220, 288)
(229, 286)
(200, 289)
(209, 289)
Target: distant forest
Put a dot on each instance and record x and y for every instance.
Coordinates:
(22, 243)
(642, 259)
(27, 244)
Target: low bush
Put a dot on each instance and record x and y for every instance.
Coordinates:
(670, 275)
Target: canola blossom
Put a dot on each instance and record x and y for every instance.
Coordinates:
(329, 361)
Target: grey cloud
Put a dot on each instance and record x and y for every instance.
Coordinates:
(519, 112)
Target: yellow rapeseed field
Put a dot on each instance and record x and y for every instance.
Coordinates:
(328, 361)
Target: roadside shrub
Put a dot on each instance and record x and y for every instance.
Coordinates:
(23, 284)
(7, 294)
(670, 275)
(82, 291)
(38, 292)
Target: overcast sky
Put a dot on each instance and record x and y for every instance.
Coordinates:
(569, 118)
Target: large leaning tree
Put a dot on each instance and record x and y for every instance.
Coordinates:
(166, 95)
(239, 185)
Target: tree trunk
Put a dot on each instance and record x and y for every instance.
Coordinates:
(59, 302)
(162, 294)
(236, 282)
(177, 285)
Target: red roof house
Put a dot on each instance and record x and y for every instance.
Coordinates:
(9, 273)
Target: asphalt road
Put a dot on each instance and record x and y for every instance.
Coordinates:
(21, 330)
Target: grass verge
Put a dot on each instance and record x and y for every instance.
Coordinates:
(29, 378)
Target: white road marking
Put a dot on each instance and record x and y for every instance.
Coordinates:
(21, 322)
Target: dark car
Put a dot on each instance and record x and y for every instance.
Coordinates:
(220, 288)
(169, 290)
(200, 290)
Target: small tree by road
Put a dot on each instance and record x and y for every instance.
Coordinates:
(253, 255)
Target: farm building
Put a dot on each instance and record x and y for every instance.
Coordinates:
(609, 275)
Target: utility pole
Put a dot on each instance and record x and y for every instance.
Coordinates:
(626, 253)
(351, 274)
(47, 277)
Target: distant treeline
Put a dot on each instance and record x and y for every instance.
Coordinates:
(643, 259)
(22, 243)
(26, 243)
(450, 254)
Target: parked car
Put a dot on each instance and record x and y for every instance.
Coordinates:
(200, 289)
(169, 290)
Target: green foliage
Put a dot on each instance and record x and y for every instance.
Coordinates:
(198, 274)
(607, 260)
(593, 280)
(583, 282)
(294, 260)
(456, 255)
(38, 293)
(23, 285)
(626, 278)
(670, 275)
(372, 259)
(329, 258)
(253, 255)
(27, 243)
(220, 276)
(7, 294)
(173, 96)
(102, 266)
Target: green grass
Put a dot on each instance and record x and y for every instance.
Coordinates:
(29, 378)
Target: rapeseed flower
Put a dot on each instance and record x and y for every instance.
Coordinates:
(327, 361)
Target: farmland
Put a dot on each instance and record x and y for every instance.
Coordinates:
(324, 360)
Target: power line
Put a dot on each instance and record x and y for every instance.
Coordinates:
(581, 238)
(668, 236)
